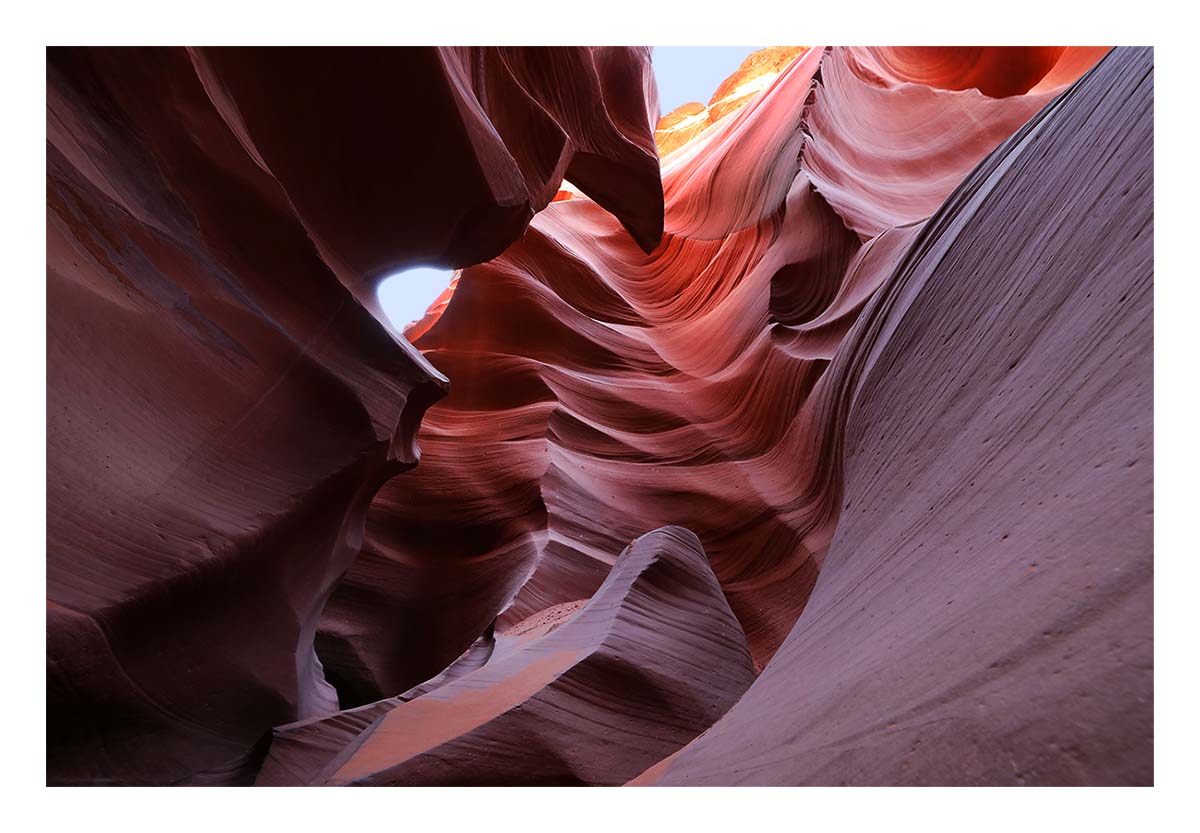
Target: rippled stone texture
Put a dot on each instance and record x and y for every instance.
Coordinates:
(984, 612)
(600, 391)
(221, 406)
(877, 332)
(652, 659)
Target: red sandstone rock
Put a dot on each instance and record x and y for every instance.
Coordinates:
(600, 392)
(996, 71)
(579, 698)
(221, 408)
(524, 116)
(821, 347)
(983, 615)
(885, 156)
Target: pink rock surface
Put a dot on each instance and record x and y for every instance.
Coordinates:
(983, 615)
(601, 391)
(870, 351)
(653, 658)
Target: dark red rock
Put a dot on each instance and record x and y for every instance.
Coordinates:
(222, 408)
(440, 155)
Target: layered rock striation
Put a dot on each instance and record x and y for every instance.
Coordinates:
(222, 405)
(601, 391)
(649, 662)
(861, 366)
(983, 614)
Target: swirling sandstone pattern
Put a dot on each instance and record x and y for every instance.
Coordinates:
(653, 658)
(221, 410)
(601, 391)
(983, 613)
(870, 350)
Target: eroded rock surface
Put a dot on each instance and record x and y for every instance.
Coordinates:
(983, 615)
(870, 349)
(588, 697)
(222, 406)
(601, 391)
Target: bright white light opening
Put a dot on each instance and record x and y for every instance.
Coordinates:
(405, 296)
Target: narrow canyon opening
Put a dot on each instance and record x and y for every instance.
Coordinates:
(744, 419)
(407, 295)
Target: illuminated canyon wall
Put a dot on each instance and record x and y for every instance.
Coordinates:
(804, 437)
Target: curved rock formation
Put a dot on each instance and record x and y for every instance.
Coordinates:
(996, 71)
(600, 391)
(983, 614)
(221, 409)
(869, 348)
(650, 661)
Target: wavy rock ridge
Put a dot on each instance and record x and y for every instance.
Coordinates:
(877, 332)
(983, 613)
(653, 659)
(601, 391)
(222, 407)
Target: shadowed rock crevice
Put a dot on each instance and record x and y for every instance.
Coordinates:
(223, 401)
(649, 662)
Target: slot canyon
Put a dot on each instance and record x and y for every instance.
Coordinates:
(799, 437)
